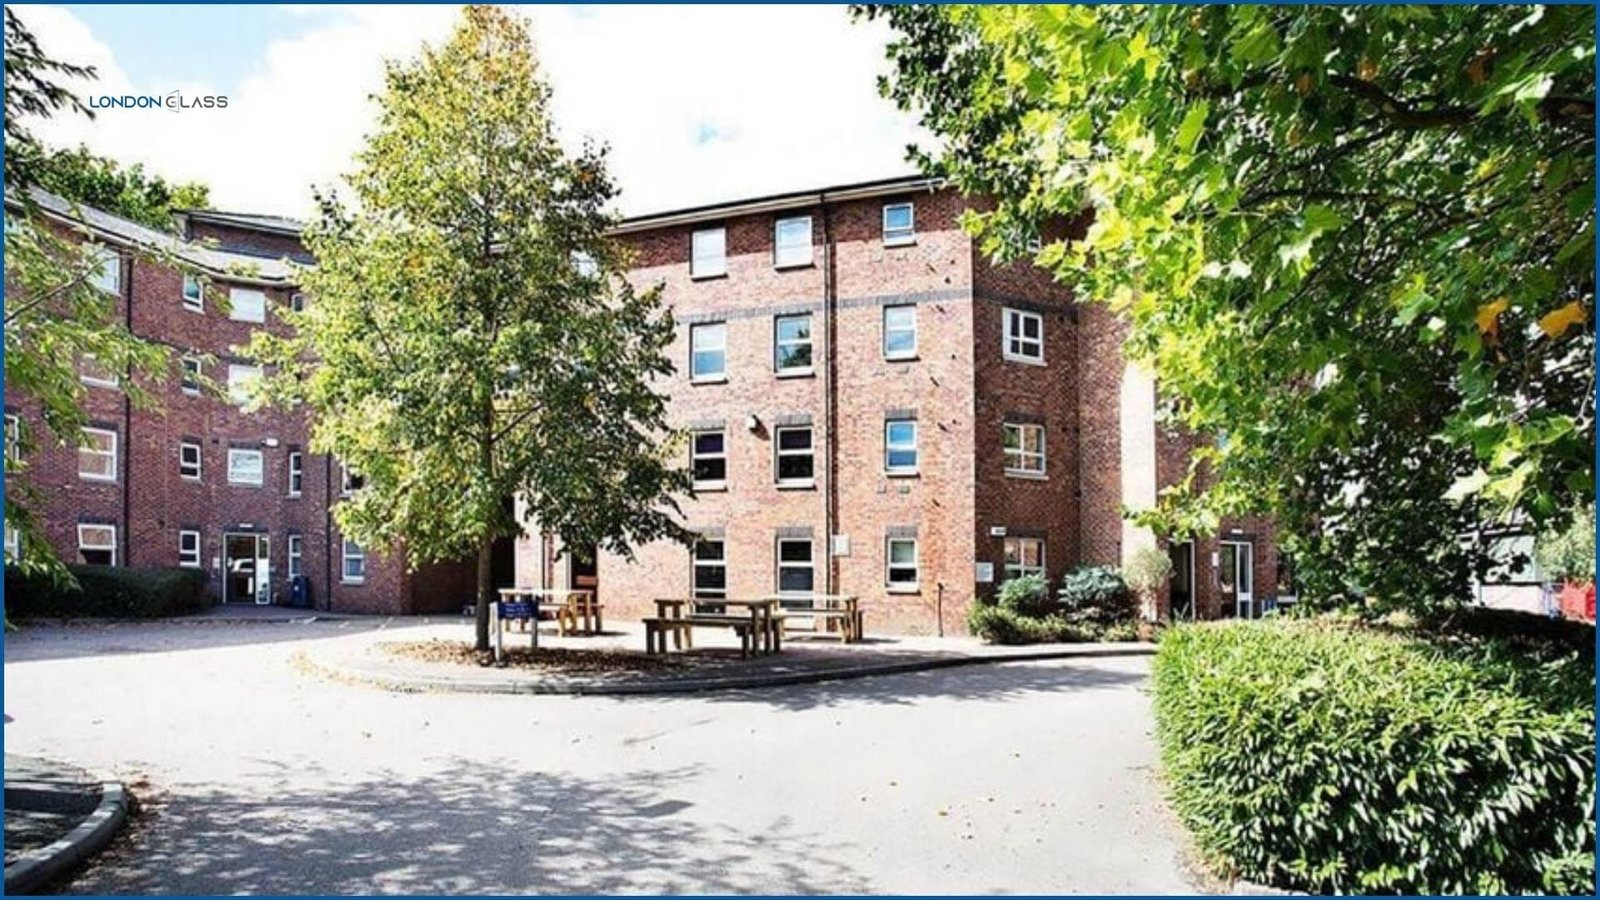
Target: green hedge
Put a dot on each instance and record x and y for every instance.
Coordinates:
(1331, 757)
(108, 591)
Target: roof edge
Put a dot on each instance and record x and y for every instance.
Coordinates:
(777, 202)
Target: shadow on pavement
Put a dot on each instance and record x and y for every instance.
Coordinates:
(47, 639)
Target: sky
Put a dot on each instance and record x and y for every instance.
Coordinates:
(698, 103)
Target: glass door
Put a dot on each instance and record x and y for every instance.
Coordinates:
(1236, 578)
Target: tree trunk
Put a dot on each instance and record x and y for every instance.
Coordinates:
(485, 590)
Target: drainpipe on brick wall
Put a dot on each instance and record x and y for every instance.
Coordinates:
(830, 297)
(127, 430)
(327, 532)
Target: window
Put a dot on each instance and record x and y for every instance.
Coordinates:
(585, 264)
(708, 352)
(13, 437)
(796, 460)
(350, 480)
(242, 382)
(708, 457)
(792, 344)
(189, 549)
(244, 466)
(246, 305)
(900, 446)
(354, 563)
(97, 545)
(1024, 338)
(899, 332)
(899, 224)
(708, 253)
(192, 370)
(296, 554)
(297, 302)
(189, 460)
(901, 564)
(296, 473)
(710, 570)
(97, 455)
(194, 295)
(796, 574)
(91, 372)
(13, 543)
(107, 274)
(1024, 447)
(1024, 556)
(791, 242)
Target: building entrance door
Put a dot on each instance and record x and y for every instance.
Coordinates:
(1181, 592)
(247, 568)
(1236, 578)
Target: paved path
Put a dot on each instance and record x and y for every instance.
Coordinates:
(44, 800)
(1020, 777)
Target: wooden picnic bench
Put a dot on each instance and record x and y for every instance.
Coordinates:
(567, 607)
(759, 631)
(828, 612)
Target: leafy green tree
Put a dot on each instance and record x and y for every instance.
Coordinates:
(103, 183)
(1355, 244)
(471, 337)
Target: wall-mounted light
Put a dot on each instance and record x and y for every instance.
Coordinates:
(270, 442)
(752, 423)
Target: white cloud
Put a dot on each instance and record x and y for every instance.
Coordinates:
(698, 103)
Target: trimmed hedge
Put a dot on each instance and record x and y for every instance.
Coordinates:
(1323, 755)
(108, 592)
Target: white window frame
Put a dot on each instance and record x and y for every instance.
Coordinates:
(243, 453)
(899, 354)
(889, 565)
(90, 372)
(792, 255)
(237, 310)
(702, 262)
(189, 558)
(196, 303)
(95, 452)
(107, 275)
(13, 437)
(348, 478)
(810, 565)
(1019, 460)
(13, 543)
(697, 330)
(899, 237)
(111, 546)
(193, 370)
(240, 377)
(889, 446)
(695, 456)
(779, 453)
(1021, 567)
(297, 472)
(779, 343)
(296, 555)
(1012, 335)
(350, 551)
(718, 562)
(184, 447)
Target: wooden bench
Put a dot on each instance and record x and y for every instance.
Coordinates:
(840, 612)
(656, 630)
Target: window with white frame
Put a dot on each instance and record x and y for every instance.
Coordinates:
(900, 446)
(189, 460)
(899, 224)
(791, 344)
(107, 274)
(900, 564)
(899, 332)
(297, 473)
(194, 294)
(13, 437)
(245, 467)
(193, 368)
(189, 549)
(1024, 336)
(708, 253)
(97, 455)
(1024, 556)
(791, 242)
(708, 458)
(247, 305)
(1024, 449)
(585, 264)
(92, 372)
(353, 566)
(296, 555)
(708, 351)
(13, 543)
(710, 569)
(796, 456)
(796, 571)
(242, 382)
(97, 545)
(350, 480)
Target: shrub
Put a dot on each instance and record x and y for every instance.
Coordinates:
(1027, 595)
(1568, 555)
(108, 591)
(1096, 594)
(1321, 755)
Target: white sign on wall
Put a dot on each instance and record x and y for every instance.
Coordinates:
(985, 572)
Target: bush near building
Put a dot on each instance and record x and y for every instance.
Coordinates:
(1328, 756)
(1094, 604)
(107, 592)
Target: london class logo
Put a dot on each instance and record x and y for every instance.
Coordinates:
(174, 101)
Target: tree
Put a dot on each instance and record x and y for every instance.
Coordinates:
(1354, 244)
(471, 337)
(105, 184)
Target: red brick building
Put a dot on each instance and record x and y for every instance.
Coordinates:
(197, 480)
(874, 408)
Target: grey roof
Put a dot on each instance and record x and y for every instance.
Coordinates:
(900, 184)
(115, 229)
(255, 221)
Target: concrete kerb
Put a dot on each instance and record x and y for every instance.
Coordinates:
(409, 683)
(39, 867)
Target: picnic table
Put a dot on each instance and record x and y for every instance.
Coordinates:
(567, 607)
(841, 610)
(759, 627)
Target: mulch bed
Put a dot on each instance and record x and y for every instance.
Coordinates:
(546, 659)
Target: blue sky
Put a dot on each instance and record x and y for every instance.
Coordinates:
(698, 103)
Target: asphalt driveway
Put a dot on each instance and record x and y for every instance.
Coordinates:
(260, 778)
